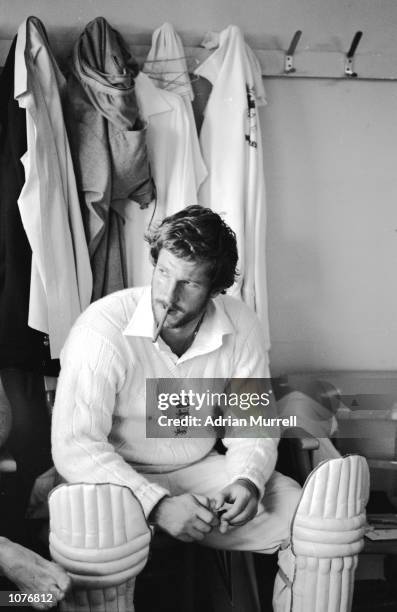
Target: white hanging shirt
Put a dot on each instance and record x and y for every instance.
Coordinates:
(166, 62)
(231, 145)
(61, 279)
(174, 167)
(167, 67)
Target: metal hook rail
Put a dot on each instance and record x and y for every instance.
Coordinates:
(295, 63)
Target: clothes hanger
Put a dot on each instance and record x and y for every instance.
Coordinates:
(159, 69)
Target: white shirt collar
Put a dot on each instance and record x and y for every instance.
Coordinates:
(141, 323)
(215, 325)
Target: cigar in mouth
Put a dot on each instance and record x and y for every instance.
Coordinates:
(161, 323)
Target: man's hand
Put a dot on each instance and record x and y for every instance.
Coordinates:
(242, 496)
(186, 517)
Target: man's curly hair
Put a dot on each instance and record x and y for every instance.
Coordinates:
(198, 234)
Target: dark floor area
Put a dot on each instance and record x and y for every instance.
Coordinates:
(375, 596)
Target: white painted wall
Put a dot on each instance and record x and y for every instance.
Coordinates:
(268, 23)
(330, 164)
(331, 159)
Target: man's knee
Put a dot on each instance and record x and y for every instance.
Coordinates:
(292, 497)
(282, 496)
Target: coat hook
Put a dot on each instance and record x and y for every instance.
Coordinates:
(350, 55)
(289, 56)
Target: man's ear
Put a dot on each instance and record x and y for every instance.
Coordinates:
(214, 293)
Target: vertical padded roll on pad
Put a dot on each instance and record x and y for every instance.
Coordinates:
(327, 535)
(99, 535)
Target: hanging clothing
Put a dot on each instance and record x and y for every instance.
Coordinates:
(231, 145)
(166, 62)
(108, 146)
(24, 352)
(167, 67)
(174, 165)
(20, 346)
(61, 280)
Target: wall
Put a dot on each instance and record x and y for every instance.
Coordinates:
(330, 159)
(268, 24)
(331, 153)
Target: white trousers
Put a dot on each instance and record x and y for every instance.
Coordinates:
(266, 532)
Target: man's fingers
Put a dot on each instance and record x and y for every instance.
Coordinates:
(205, 515)
(240, 519)
(198, 529)
(234, 510)
(196, 534)
(203, 500)
(217, 501)
(214, 522)
(245, 515)
(223, 527)
(202, 526)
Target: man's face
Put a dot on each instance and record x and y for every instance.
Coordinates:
(183, 284)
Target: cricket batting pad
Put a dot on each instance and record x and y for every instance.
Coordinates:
(327, 535)
(99, 535)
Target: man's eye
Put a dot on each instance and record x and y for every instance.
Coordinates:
(191, 284)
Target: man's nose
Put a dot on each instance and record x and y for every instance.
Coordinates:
(171, 291)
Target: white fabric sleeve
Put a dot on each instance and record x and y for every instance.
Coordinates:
(91, 376)
(253, 458)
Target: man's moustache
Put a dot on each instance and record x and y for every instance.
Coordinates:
(172, 307)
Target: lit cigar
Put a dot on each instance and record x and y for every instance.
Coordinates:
(161, 322)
